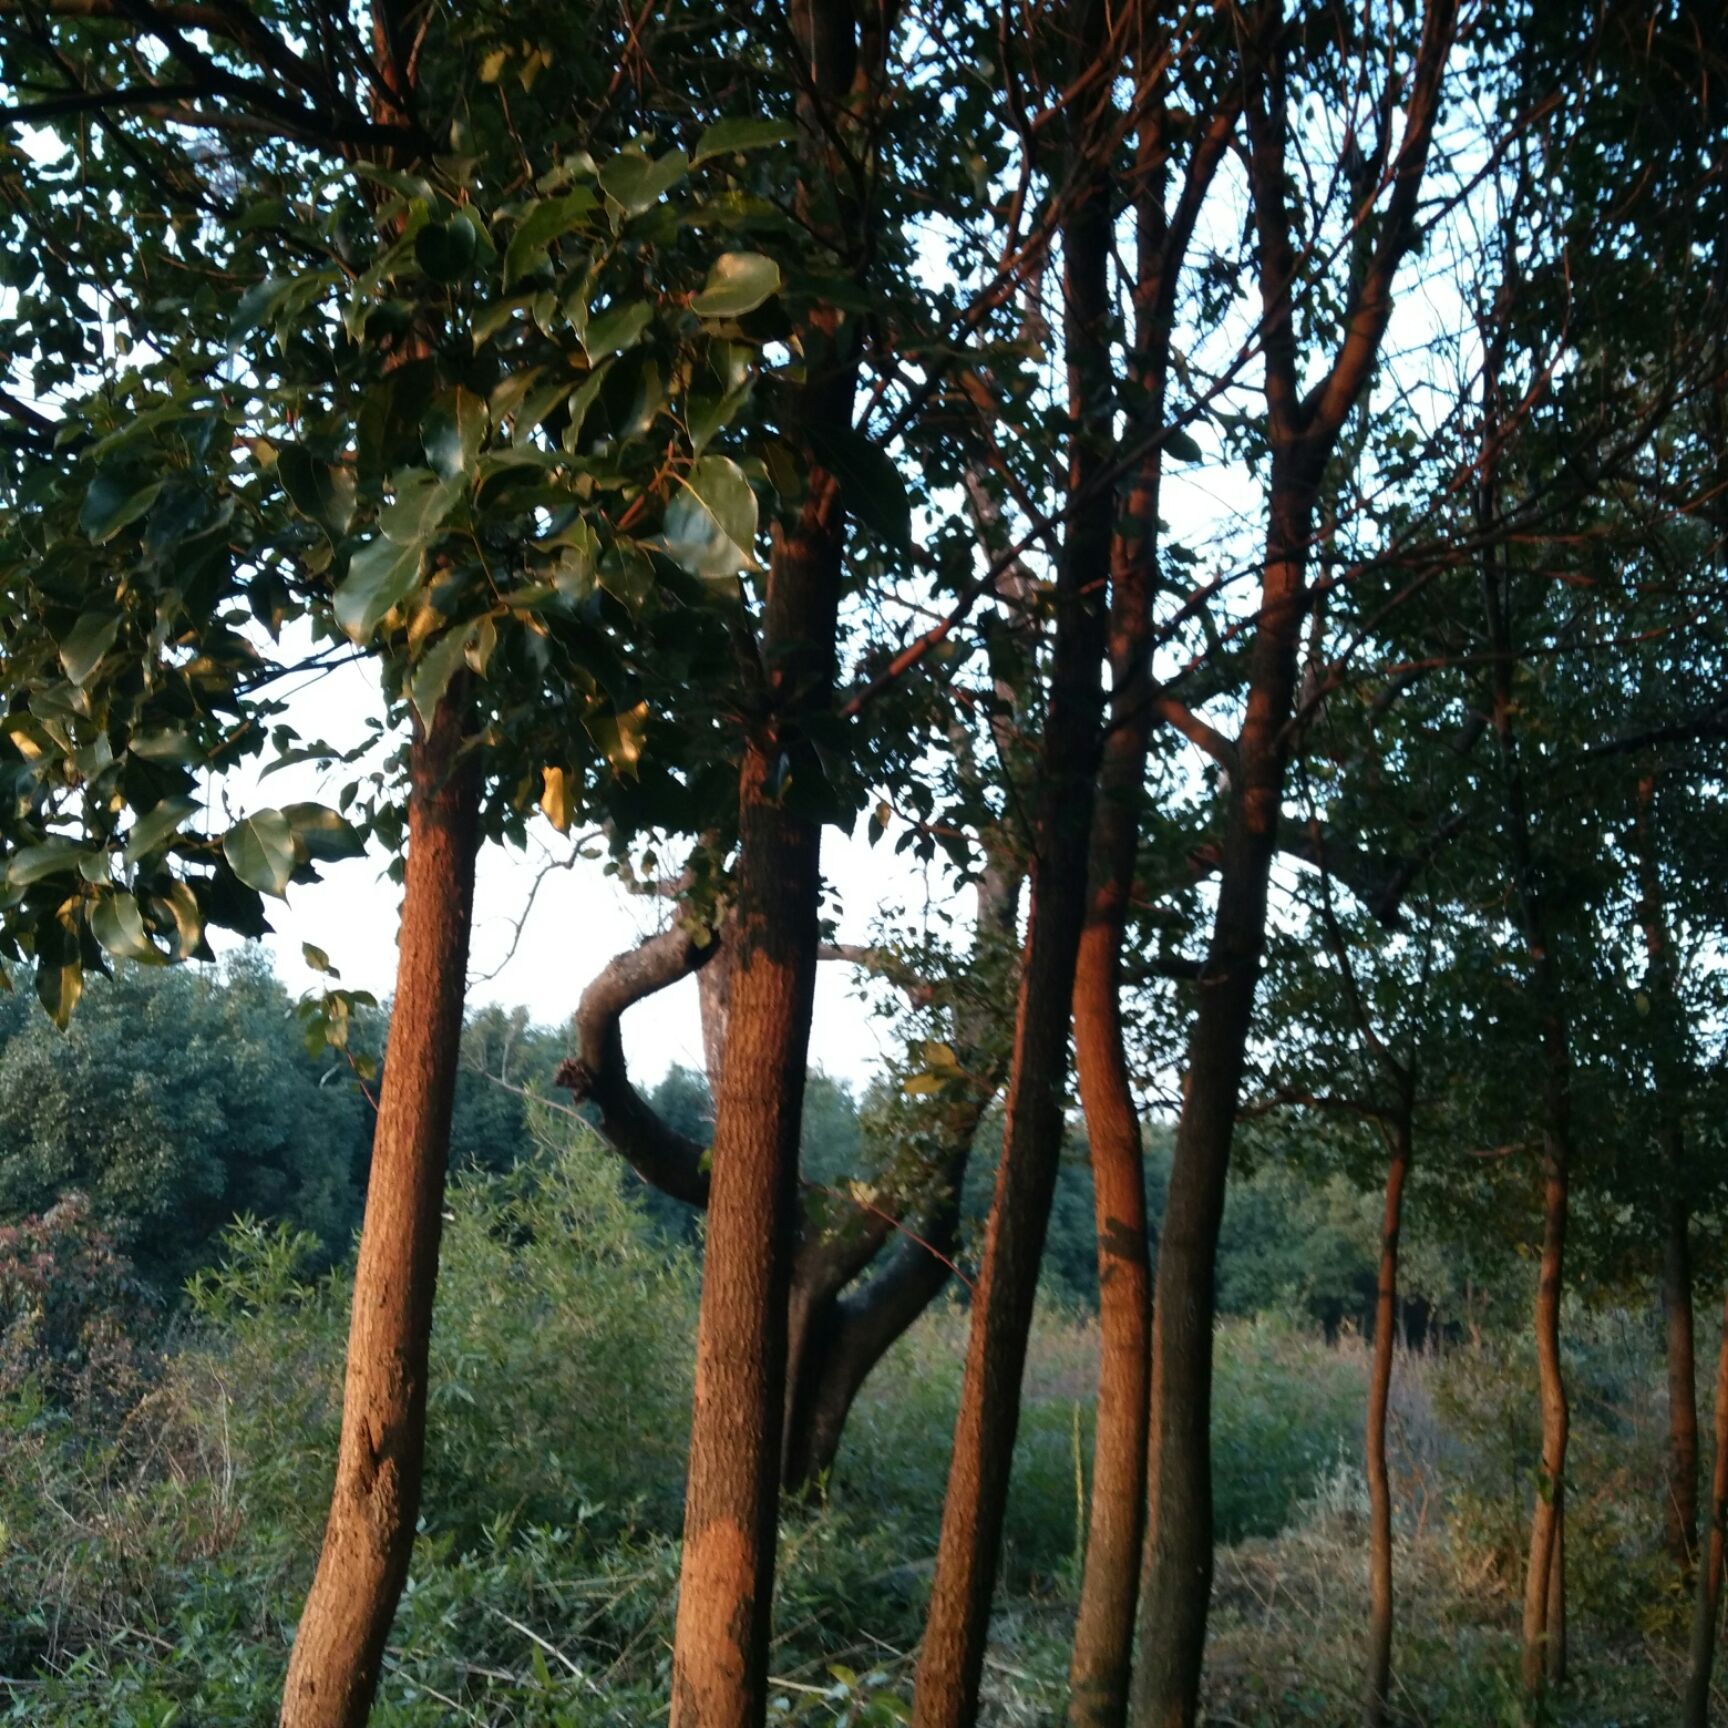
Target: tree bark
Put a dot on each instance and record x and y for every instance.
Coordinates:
(1303, 429)
(732, 1500)
(1669, 1064)
(720, 1652)
(1682, 1520)
(951, 1659)
(1178, 1578)
(339, 1646)
(1707, 1598)
(1380, 1602)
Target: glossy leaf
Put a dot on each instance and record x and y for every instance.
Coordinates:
(118, 925)
(380, 577)
(83, 646)
(870, 484)
(260, 851)
(153, 830)
(733, 137)
(710, 526)
(113, 502)
(738, 282)
(453, 431)
(636, 183)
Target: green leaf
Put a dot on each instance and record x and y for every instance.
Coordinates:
(86, 642)
(30, 864)
(581, 400)
(446, 250)
(321, 834)
(453, 431)
(153, 830)
(1177, 443)
(113, 501)
(617, 328)
(545, 220)
(422, 502)
(434, 670)
(118, 925)
(730, 137)
(317, 959)
(738, 282)
(710, 526)
(318, 490)
(380, 577)
(870, 484)
(636, 183)
(260, 851)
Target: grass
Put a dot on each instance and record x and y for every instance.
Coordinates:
(150, 1570)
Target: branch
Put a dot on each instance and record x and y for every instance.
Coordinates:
(597, 1073)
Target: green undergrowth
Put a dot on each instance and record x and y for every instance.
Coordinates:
(156, 1536)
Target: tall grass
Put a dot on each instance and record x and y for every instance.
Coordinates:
(151, 1566)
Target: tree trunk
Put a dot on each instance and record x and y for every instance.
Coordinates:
(1178, 1559)
(1379, 1399)
(1303, 426)
(1707, 1599)
(339, 1646)
(720, 1652)
(1682, 1509)
(951, 1659)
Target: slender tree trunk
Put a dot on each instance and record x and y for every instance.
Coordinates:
(951, 1659)
(1682, 1520)
(1669, 1064)
(1379, 1399)
(1178, 1577)
(1707, 1598)
(339, 1645)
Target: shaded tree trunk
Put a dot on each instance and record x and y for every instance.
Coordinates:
(1303, 427)
(951, 1659)
(1707, 1598)
(1380, 1603)
(1178, 1577)
(1102, 1659)
(1669, 1064)
(339, 1646)
(1682, 1519)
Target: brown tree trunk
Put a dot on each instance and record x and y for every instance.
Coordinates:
(1682, 1521)
(720, 1652)
(1379, 1399)
(1668, 1065)
(951, 1659)
(339, 1645)
(1303, 427)
(1707, 1599)
(1178, 1558)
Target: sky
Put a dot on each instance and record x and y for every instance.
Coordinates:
(579, 919)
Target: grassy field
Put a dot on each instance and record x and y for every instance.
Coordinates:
(156, 1532)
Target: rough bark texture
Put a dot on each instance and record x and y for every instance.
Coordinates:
(1682, 1520)
(1668, 1067)
(1303, 428)
(1379, 1398)
(1707, 1600)
(1179, 1530)
(731, 1512)
(339, 1646)
(1102, 1659)
(1543, 1658)
(952, 1655)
